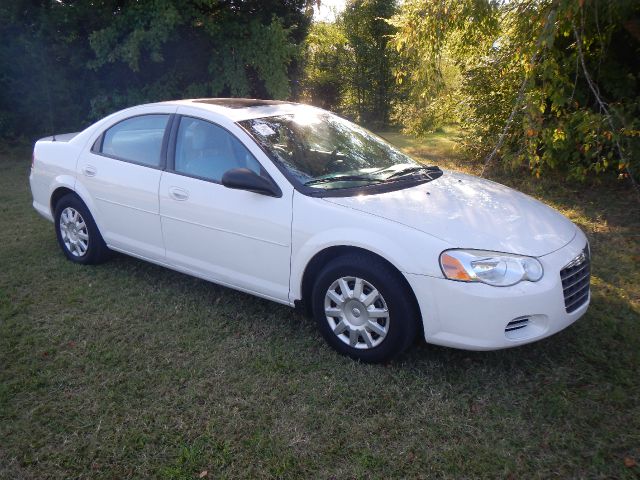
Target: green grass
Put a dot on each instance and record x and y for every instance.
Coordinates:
(129, 370)
(439, 148)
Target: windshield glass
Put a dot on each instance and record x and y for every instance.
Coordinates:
(322, 150)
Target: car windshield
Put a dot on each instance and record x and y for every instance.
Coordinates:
(322, 150)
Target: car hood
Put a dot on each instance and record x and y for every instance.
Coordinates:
(470, 212)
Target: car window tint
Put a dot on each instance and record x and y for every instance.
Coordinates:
(208, 151)
(138, 139)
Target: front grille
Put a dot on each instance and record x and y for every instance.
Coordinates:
(575, 277)
(517, 324)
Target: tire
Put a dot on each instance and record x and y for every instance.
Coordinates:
(350, 327)
(77, 233)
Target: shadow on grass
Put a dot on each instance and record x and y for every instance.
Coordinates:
(177, 288)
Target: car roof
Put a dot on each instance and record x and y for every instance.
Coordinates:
(238, 109)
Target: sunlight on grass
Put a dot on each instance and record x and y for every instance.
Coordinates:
(440, 148)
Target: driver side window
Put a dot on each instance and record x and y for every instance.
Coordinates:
(208, 151)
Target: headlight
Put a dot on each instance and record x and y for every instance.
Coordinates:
(493, 268)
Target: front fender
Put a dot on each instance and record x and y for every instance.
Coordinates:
(326, 225)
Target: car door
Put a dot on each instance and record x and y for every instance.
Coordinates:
(233, 237)
(121, 172)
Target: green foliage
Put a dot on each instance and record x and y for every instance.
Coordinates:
(563, 75)
(435, 39)
(428, 32)
(370, 77)
(327, 59)
(70, 61)
(348, 65)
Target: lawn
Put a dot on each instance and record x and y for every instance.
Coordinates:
(129, 370)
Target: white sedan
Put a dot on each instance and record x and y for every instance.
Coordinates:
(299, 206)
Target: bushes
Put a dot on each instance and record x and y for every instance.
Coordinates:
(68, 62)
(567, 72)
(348, 67)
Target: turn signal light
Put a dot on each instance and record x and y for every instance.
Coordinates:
(453, 269)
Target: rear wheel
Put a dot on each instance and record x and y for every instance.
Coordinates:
(77, 233)
(363, 309)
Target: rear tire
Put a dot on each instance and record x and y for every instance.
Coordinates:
(363, 309)
(77, 233)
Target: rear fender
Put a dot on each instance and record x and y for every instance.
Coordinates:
(67, 181)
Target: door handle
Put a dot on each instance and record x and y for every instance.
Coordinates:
(89, 170)
(178, 194)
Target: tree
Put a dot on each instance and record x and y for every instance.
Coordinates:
(436, 40)
(327, 60)
(371, 77)
(80, 60)
(552, 84)
(348, 66)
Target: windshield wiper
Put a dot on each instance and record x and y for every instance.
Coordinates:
(344, 178)
(409, 170)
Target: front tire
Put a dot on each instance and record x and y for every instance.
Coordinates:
(77, 233)
(363, 309)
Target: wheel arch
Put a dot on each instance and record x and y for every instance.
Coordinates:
(57, 194)
(79, 191)
(321, 258)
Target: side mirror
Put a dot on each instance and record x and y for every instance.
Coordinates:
(245, 179)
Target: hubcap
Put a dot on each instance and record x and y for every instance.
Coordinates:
(74, 232)
(356, 312)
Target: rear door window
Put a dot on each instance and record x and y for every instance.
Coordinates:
(137, 139)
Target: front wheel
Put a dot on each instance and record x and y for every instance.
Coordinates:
(77, 233)
(363, 308)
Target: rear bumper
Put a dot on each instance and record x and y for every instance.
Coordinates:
(474, 316)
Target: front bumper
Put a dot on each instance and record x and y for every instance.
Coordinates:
(476, 316)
